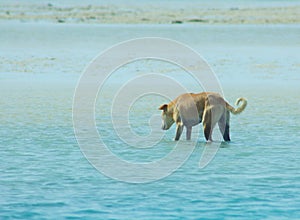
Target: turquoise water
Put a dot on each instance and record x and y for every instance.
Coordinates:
(45, 175)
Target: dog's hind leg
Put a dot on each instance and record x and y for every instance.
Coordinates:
(224, 125)
(188, 133)
(207, 124)
(179, 129)
(210, 118)
(227, 133)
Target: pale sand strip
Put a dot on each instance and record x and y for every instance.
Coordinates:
(151, 15)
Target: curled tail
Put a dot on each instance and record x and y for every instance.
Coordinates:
(240, 108)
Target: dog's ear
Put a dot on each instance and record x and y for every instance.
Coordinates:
(163, 107)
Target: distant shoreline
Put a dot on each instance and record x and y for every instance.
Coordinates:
(111, 14)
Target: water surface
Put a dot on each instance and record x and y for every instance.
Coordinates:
(44, 174)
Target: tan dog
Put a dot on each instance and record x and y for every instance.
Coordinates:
(190, 109)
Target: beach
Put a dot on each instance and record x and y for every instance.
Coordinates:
(45, 47)
(158, 12)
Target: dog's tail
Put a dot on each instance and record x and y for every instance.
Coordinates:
(240, 108)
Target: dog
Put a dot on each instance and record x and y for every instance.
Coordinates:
(190, 109)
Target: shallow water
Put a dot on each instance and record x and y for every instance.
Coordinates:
(45, 175)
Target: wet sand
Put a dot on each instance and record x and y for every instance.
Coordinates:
(149, 14)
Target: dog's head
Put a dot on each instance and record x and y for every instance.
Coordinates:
(167, 117)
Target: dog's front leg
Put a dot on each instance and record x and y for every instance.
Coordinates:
(179, 129)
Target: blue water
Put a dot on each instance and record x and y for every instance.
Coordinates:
(44, 175)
